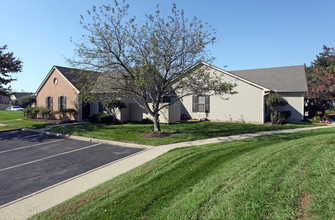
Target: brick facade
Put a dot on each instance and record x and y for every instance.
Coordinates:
(55, 86)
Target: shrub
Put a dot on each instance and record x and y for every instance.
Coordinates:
(102, 118)
(317, 118)
(146, 121)
(319, 113)
(274, 101)
(28, 113)
(279, 117)
(35, 112)
(45, 112)
(325, 117)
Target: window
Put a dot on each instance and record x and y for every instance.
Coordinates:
(200, 103)
(48, 102)
(61, 103)
(55, 81)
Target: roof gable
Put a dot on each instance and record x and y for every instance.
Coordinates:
(76, 77)
(230, 74)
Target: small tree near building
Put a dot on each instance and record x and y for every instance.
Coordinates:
(114, 106)
(275, 101)
(149, 60)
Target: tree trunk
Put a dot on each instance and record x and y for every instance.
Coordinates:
(157, 127)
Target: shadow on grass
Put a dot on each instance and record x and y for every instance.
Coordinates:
(292, 136)
(210, 129)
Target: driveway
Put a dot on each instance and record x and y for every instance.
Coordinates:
(30, 162)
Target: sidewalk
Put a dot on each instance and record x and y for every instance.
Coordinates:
(40, 201)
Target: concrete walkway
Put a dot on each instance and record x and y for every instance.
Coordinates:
(40, 201)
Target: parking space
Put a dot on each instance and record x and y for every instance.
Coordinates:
(30, 162)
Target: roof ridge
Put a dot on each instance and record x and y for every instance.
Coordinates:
(266, 68)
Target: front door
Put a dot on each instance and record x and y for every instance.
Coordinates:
(86, 111)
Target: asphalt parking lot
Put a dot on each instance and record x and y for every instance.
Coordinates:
(30, 162)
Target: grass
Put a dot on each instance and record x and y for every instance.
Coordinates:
(13, 120)
(10, 115)
(180, 132)
(287, 176)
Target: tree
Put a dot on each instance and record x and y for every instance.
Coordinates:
(321, 78)
(115, 106)
(8, 65)
(275, 101)
(25, 101)
(149, 60)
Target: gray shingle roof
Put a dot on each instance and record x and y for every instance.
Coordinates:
(77, 77)
(22, 94)
(279, 79)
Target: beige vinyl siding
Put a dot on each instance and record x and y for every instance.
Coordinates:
(295, 105)
(246, 106)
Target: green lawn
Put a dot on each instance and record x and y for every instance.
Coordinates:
(10, 115)
(180, 132)
(12, 120)
(287, 176)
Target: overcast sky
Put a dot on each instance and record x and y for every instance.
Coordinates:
(251, 33)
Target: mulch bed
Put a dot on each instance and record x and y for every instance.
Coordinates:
(155, 134)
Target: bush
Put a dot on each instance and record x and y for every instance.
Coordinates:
(279, 117)
(275, 101)
(319, 113)
(102, 118)
(325, 117)
(45, 112)
(35, 111)
(31, 112)
(146, 121)
(28, 113)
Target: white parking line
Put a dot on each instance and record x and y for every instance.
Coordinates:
(34, 161)
(34, 145)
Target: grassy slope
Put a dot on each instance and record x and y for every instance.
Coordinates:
(277, 177)
(9, 120)
(180, 132)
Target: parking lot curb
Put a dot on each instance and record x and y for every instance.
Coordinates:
(80, 138)
(15, 129)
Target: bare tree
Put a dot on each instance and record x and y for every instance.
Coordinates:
(148, 60)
